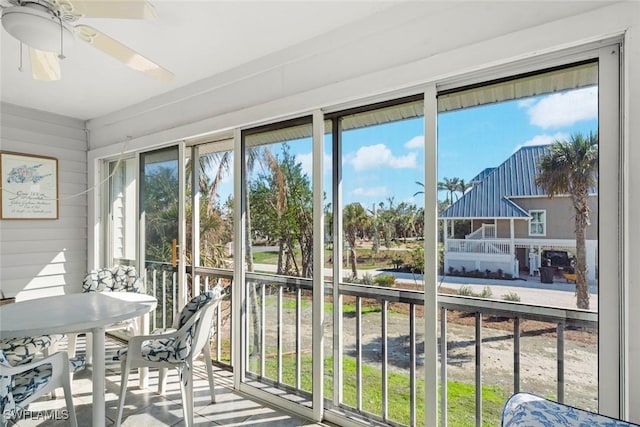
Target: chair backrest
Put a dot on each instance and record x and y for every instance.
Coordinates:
(17, 351)
(121, 278)
(22, 384)
(194, 323)
(7, 402)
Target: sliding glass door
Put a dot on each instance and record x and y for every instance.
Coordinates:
(159, 229)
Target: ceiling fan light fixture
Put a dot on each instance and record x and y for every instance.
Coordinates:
(37, 27)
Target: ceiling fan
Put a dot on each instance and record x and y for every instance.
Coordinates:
(48, 28)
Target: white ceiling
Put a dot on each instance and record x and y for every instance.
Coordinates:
(192, 39)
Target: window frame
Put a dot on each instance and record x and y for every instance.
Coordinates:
(532, 212)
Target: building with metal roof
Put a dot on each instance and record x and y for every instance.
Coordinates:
(508, 220)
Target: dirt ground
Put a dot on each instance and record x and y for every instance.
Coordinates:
(538, 350)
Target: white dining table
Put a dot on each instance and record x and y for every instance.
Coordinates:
(81, 312)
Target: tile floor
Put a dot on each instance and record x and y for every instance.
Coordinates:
(145, 408)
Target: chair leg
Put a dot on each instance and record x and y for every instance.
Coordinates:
(48, 352)
(186, 390)
(71, 345)
(68, 397)
(125, 366)
(89, 348)
(162, 380)
(206, 350)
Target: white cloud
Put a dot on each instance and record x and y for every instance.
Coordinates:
(417, 142)
(306, 160)
(370, 191)
(526, 103)
(377, 156)
(565, 109)
(543, 139)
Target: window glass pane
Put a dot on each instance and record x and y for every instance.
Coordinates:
(380, 153)
(214, 222)
(279, 228)
(537, 222)
(504, 239)
(382, 182)
(216, 206)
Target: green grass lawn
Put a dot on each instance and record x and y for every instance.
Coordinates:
(460, 396)
(289, 303)
(367, 260)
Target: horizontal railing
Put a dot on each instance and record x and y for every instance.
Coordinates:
(279, 338)
(271, 291)
(486, 246)
(486, 231)
(161, 282)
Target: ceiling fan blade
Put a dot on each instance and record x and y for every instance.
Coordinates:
(122, 53)
(120, 9)
(44, 65)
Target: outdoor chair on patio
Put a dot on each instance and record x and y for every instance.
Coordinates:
(121, 278)
(175, 349)
(19, 351)
(24, 383)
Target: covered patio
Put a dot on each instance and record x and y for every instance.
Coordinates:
(289, 154)
(146, 407)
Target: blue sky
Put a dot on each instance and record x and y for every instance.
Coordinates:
(383, 162)
(386, 161)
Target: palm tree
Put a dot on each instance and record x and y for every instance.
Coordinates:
(570, 167)
(450, 186)
(355, 220)
(421, 191)
(463, 186)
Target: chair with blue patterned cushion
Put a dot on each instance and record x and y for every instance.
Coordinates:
(18, 351)
(177, 349)
(121, 278)
(24, 383)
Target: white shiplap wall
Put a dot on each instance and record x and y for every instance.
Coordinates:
(46, 257)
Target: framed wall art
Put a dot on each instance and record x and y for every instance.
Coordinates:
(29, 186)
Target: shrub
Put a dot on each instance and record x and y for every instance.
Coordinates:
(486, 292)
(417, 259)
(465, 291)
(367, 279)
(397, 263)
(349, 279)
(385, 280)
(511, 296)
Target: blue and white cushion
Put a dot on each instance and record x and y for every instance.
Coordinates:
(7, 402)
(174, 350)
(121, 278)
(77, 364)
(23, 350)
(529, 410)
(100, 280)
(28, 383)
(126, 279)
